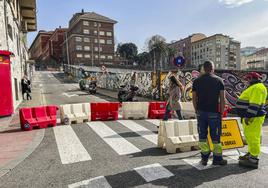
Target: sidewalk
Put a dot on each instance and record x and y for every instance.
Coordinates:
(16, 145)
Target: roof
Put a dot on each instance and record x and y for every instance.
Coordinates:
(97, 17)
(89, 16)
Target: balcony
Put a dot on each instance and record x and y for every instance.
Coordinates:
(28, 13)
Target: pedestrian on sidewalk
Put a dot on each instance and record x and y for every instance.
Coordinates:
(174, 96)
(208, 91)
(26, 88)
(250, 106)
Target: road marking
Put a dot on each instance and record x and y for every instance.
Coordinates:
(153, 172)
(264, 149)
(50, 76)
(115, 141)
(233, 154)
(195, 162)
(67, 95)
(142, 131)
(70, 148)
(154, 121)
(98, 182)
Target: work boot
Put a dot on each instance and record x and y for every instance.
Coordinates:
(251, 162)
(244, 156)
(218, 160)
(204, 162)
(204, 158)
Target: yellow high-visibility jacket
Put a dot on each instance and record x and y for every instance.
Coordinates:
(252, 101)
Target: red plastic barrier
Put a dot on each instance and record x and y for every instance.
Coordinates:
(104, 111)
(157, 110)
(41, 117)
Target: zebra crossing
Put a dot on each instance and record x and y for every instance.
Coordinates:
(71, 149)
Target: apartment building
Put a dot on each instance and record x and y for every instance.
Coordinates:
(38, 48)
(258, 60)
(17, 18)
(53, 51)
(89, 40)
(183, 47)
(221, 49)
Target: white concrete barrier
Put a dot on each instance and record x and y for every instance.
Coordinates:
(77, 113)
(187, 110)
(135, 110)
(178, 136)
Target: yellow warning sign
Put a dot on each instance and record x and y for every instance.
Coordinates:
(230, 137)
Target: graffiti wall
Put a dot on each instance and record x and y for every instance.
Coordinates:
(232, 81)
(152, 87)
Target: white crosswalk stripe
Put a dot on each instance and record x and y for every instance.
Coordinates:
(114, 140)
(153, 172)
(264, 149)
(98, 182)
(154, 121)
(140, 130)
(70, 148)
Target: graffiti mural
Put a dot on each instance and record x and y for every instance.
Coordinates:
(153, 86)
(233, 82)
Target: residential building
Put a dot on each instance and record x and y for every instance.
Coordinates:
(38, 48)
(258, 60)
(53, 49)
(183, 47)
(17, 18)
(221, 49)
(90, 40)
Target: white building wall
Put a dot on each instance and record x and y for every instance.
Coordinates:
(16, 43)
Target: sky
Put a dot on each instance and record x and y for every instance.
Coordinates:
(138, 20)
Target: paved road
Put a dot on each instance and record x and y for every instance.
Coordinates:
(118, 154)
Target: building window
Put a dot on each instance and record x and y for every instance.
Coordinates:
(99, 24)
(100, 49)
(96, 57)
(109, 42)
(78, 39)
(109, 34)
(102, 41)
(86, 31)
(79, 55)
(87, 56)
(86, 23)
(102, 56)
(86, 39)
(110, 57)
(86, 48)
(95, 32)
(78, 47)
(102, 33)
(96, 49)
(96, 40)
(95, 24)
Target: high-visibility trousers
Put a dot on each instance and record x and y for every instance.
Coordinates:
(252, 133)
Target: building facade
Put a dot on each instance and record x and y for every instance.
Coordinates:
(258, 60)
(17, 18)
(89, 40)
(53, 49)
(221, 49)
(183, 47)
(38, 48)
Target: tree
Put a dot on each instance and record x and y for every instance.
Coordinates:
(143, 59)
(127, 51)
(158, 50)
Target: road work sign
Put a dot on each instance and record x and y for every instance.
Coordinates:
(230, 137)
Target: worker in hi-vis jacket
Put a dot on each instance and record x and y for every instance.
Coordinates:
(251, 108)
